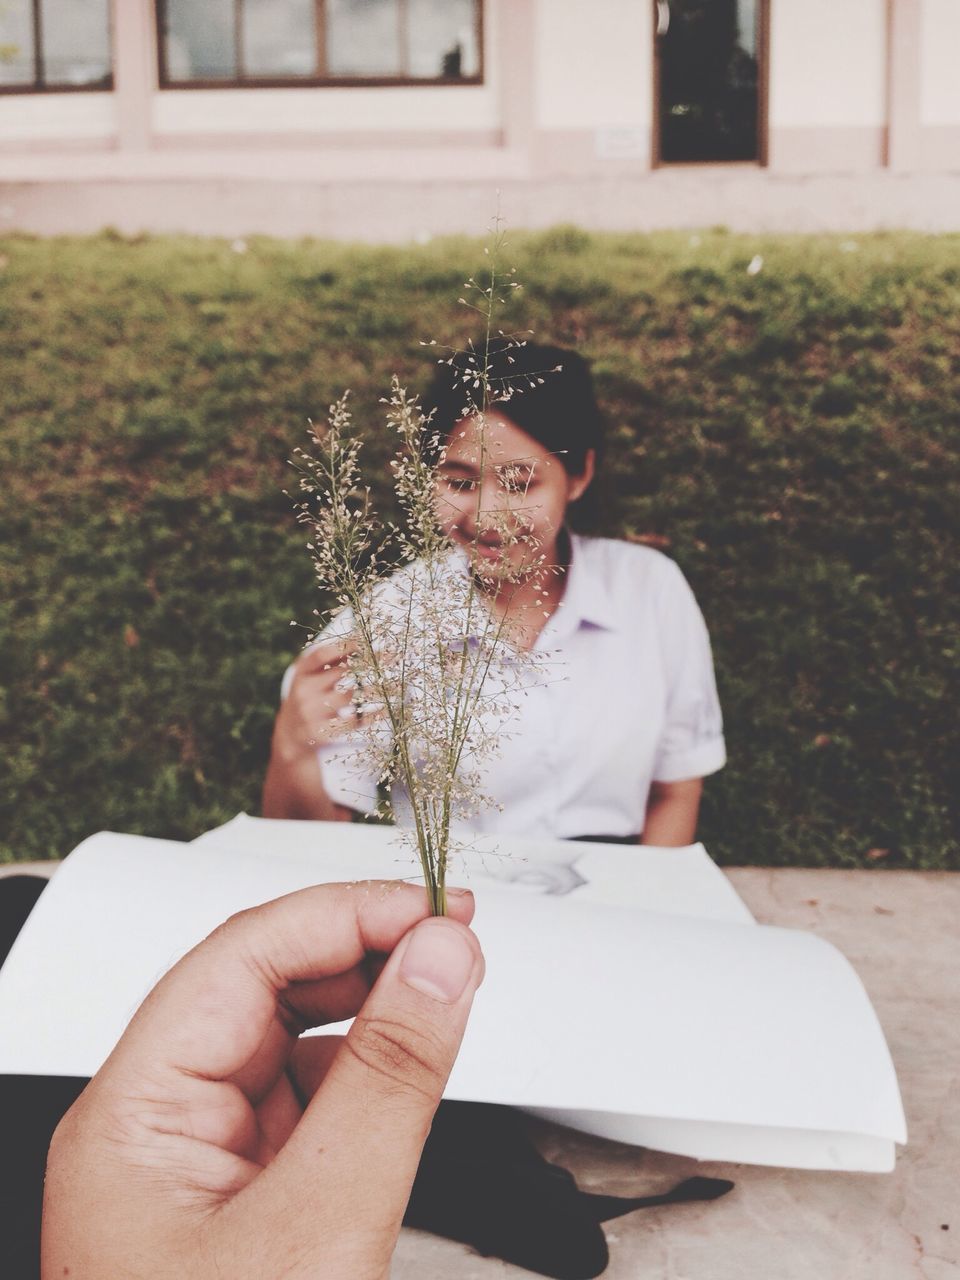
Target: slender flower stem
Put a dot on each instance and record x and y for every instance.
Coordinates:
(427, 658)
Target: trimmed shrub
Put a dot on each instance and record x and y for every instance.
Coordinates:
(790, 436)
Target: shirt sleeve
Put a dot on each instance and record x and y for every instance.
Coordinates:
(347, 778)
(692, 743)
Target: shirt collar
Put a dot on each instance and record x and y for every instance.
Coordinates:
(585, 600)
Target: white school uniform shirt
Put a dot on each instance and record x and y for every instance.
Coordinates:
(622, 695)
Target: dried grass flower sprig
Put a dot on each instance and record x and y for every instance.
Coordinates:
(434, 673)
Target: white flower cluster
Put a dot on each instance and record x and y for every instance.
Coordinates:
(435, 675)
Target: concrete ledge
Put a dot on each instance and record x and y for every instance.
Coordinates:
(342, 196)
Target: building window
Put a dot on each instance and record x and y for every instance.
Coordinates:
(710, 78)
(54, 44)
(282, 42)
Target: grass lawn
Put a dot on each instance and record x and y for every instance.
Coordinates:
(790, 436)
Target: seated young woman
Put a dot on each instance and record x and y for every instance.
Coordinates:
(616, 744)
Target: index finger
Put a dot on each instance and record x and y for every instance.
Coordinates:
(210, 1013)
(326, 654)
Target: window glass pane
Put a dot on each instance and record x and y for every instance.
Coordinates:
(442, 38)
(747, 26)
(76, 41)
(16, 42)
(199, 40)
(363, 38)
(279, 38)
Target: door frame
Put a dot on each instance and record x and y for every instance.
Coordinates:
(763, 97)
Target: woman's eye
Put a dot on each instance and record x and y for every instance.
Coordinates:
(461, 486)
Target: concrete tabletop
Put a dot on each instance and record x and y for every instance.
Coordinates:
(900, 931)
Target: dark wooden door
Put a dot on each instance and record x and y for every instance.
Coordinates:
(710, 77)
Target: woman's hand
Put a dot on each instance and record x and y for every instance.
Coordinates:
(310, 715)
(190, 1154)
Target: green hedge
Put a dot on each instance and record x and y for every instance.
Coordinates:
(790, 435)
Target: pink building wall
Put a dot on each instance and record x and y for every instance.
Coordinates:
(862, 95)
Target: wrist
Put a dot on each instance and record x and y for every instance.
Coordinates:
(292, 751)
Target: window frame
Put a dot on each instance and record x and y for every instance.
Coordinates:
(39, 83)
(316, 81)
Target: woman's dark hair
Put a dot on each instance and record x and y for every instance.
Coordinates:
(545, 391)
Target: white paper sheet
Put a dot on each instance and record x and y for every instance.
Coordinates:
(706, 1037)
(684, 882)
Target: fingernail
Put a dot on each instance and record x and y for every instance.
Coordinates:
(459, 893)
(438, 961)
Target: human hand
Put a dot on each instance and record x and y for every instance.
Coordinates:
(311, 713)
(190, 1153)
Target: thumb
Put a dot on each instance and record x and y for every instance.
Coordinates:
(355, 1153)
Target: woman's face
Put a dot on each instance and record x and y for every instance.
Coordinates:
(502, 496)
